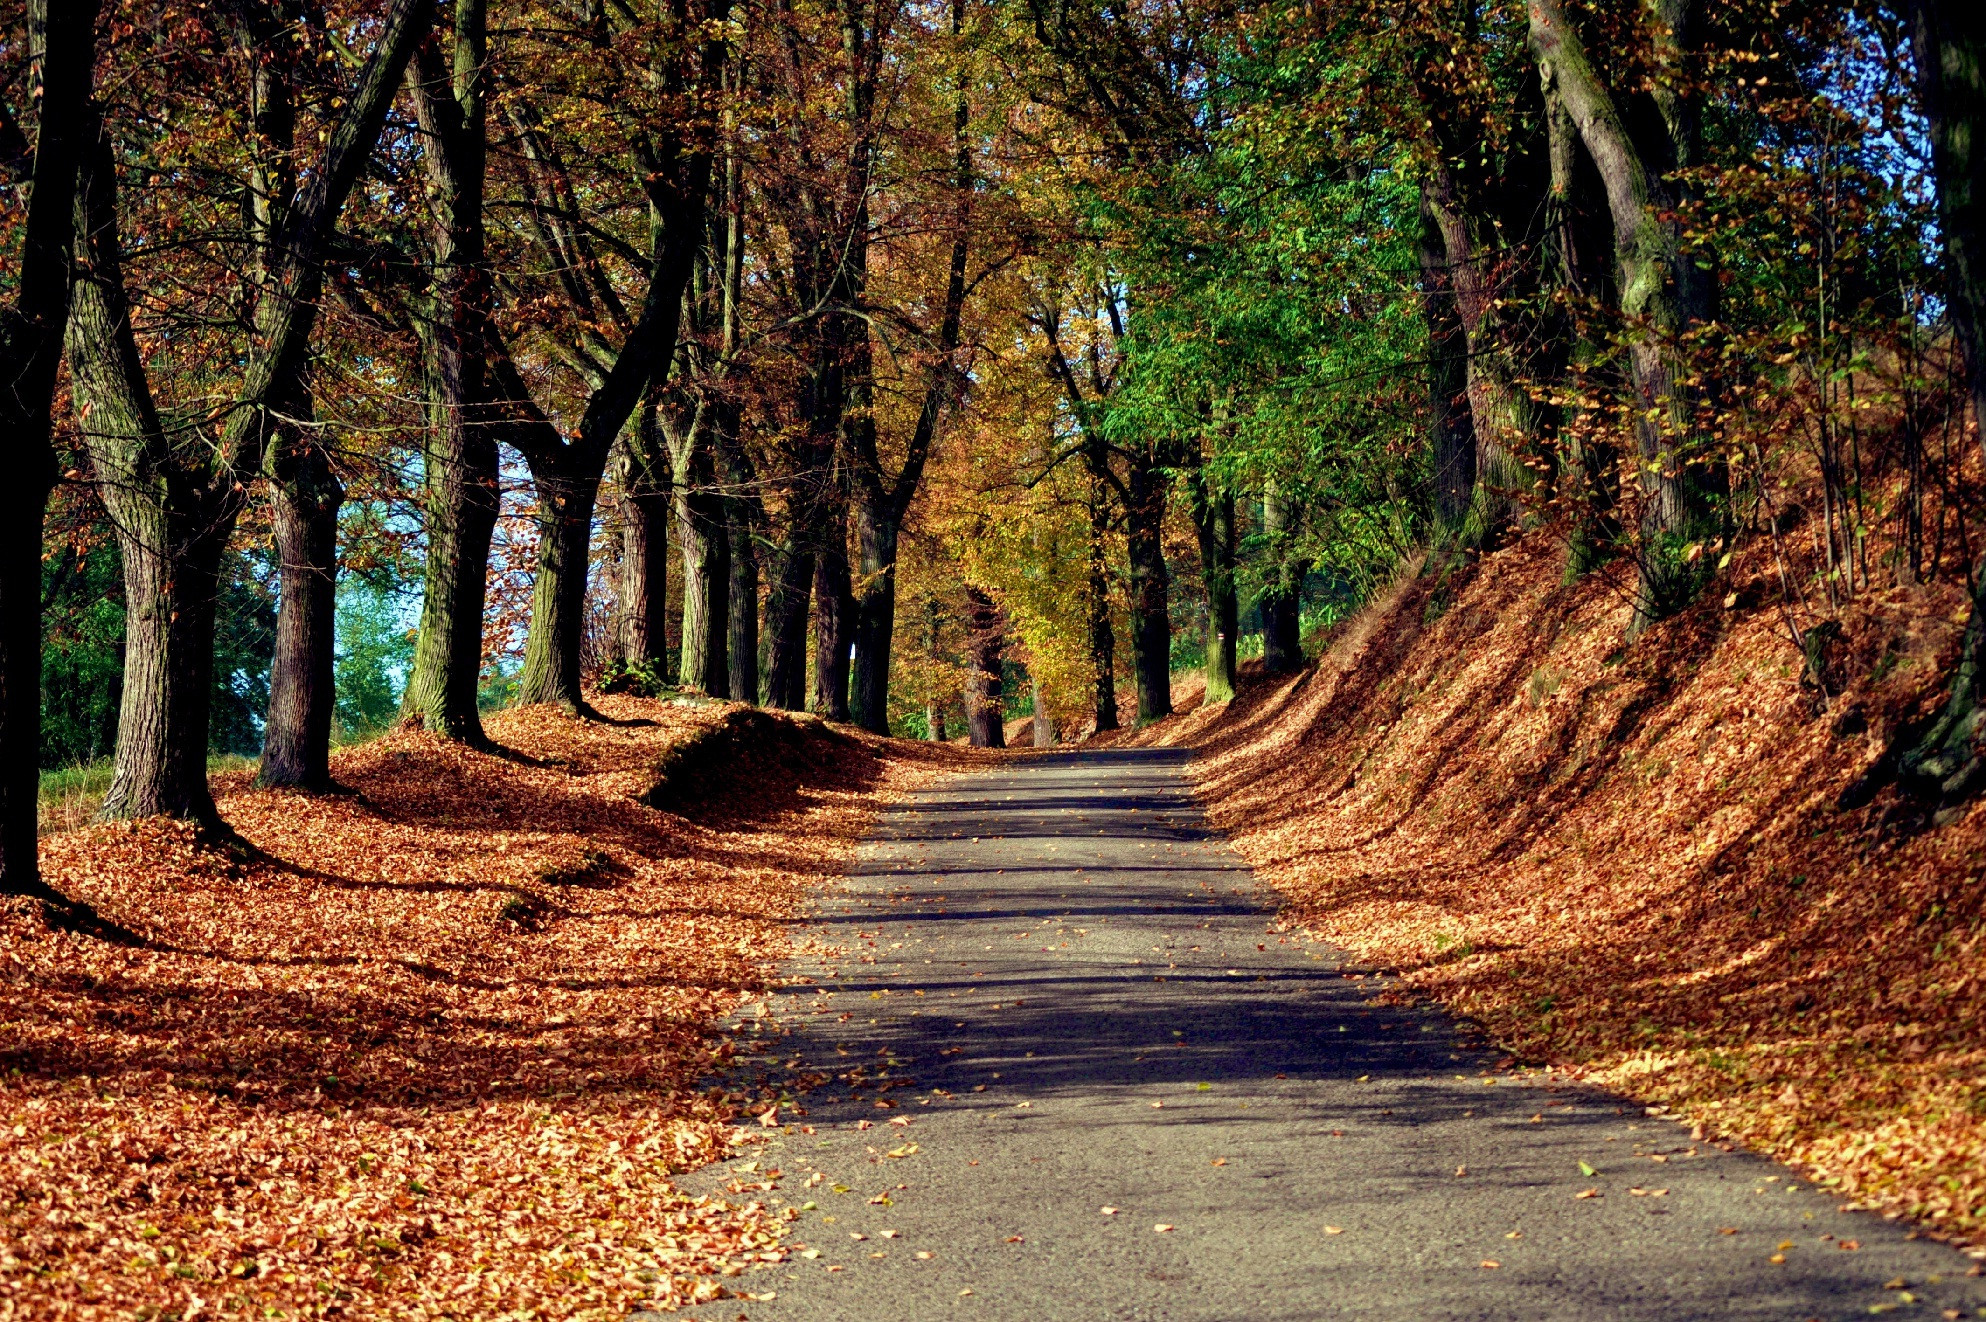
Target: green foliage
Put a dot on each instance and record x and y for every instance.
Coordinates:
(375, 652)
(82, 660)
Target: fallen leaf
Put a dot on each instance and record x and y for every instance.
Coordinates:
(1110, 1211)
(1849, 1245)
(1015, 1239)
(1587, 1170)
(1161, 1227)
(1491, 1263)
(1587, 1193)
(1334, 1230)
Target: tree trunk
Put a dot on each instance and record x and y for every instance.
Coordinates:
(1660, 295)
(172, 561)
(1044, 721)
(459, 466)
(1451, 428)
(1103, 639)
(61, 41)
(643, 587)
(1151, 619)
(834, 617)
(934, 709)
(1281, 602)
(701, 529)
(744, 516)
(875, 618)
(984, 715)
(786, 621)
(1500, 414)
(296, 738)
(1213, 521)
(552, 648)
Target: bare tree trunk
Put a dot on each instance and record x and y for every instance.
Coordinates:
(1451, 428)
(984, 714)
(459, 468)
(701, 529)
(551, 670)
(743, 517)
(643, 589)
(1213, 521)
(1044, 720)
(296, 740)
(61, 44)
(1151, 619)
(1282, 591)
(834, 615)
(1103, 639)
(786, 621)
(1661, 293)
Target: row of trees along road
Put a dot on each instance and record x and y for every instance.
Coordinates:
(920, 331)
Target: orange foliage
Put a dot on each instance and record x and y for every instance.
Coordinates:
(429, 1048)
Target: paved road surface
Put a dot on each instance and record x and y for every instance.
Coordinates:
(1096, 1011)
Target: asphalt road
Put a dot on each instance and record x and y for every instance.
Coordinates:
(1076, 997)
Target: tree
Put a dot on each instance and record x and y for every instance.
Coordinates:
(62, 44)
(175, 504)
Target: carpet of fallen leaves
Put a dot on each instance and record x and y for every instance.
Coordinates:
(429, 1049)
(1627, 860)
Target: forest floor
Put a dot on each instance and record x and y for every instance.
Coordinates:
(1627, 861)
(434, 1047)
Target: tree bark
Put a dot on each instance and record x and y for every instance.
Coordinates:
(1044, 720)
(703, 532)
(1102, 637)
(1661, 294)
(1281, 602)
(1451, 427)
(296, 741)
(786, 621)
(834, 615)
(459, 466)
(1151, 618)
(551, 671)
(984, 715)
(743, 518)
(643, 586)
(1213, 521)
(61, 47)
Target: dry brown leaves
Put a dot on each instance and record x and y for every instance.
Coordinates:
(430, 1049)
(1628, 861)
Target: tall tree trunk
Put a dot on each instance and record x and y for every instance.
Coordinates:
(1044, 720)
(1102, 637)
(1943, 761)
(786, 622)
(1283, 573)
(553, 646)
(1151, 618)
(61, 42)
(305, 493)
(1660, 296)
(459, 466)
(296, 738)
(1451, 428)
(1499, 412)
(834, 614)
(1213, 521)
(743, 517)
(643, 588)
(875, 618)
(702, 530)
(985, 717)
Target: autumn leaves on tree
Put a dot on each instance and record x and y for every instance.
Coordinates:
(919, 366)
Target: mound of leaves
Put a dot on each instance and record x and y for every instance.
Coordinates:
(759, 754)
